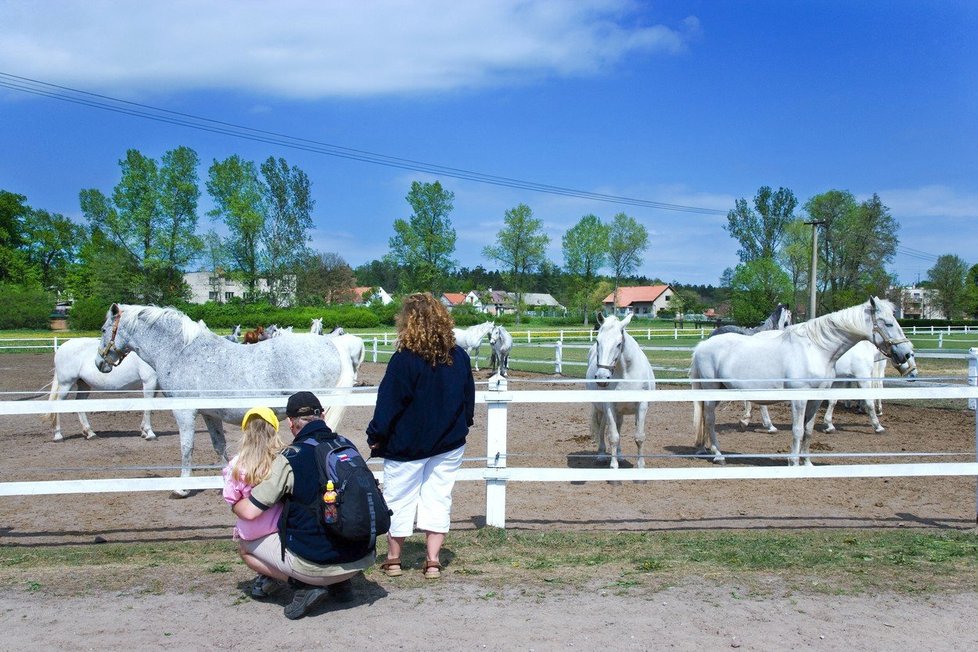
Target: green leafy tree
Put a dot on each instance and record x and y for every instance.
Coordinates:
(758, 286)
(760, 229)
(288, 204)
(323, 279)
(53, 243)
(236, 190)
(424, 244)
(971, 292)
(627, 240)
(521, 247)
(795, 257)
(384, 273)
(585, 248)
(949, 277)
(857, 240)
(179, 193)
(14, 264)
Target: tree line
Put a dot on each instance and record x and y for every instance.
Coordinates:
(139, 238)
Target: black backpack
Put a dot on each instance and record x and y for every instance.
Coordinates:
(362, 512)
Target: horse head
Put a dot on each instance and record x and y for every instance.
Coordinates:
(317, 326)
(494, 334)
(113, 347)
(888, 336)
(783, 319)
(609, 345)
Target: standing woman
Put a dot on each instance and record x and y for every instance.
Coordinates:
(425, 405)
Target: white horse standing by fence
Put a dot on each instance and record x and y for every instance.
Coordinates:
(191, 361)
(615, 355)
(470, 339)
(863, 366)
(803, 355)
(74, 368)
(502, 343)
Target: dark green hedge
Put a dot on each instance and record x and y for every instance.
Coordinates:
(24, 307)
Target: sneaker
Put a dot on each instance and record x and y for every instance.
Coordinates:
(264, 587)
(305, 598)
(341, 591)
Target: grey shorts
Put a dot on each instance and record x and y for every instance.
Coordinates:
(269, 550)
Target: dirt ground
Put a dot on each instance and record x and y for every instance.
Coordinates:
(457, 613)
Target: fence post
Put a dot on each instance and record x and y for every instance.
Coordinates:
(496, 451)
(558, 354)
(375, 346)
(973, 377)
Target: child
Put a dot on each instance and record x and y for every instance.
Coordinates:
(260, 443)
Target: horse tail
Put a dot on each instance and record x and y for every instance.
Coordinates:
(334, 413)
(53, 396)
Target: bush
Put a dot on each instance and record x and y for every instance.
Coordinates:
(24, 307)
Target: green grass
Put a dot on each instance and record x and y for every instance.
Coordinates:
(837, 561)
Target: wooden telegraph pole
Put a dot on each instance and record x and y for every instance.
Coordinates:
(813, 277)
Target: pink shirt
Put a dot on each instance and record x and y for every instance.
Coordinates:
(235, 489)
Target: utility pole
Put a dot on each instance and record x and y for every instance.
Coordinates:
(813, 277)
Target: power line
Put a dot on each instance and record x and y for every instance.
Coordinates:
(176, 118)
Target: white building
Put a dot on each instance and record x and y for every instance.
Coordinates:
(918, 303)
(214, 286)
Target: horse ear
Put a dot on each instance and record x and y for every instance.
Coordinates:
(628, 318)
(599, 316)
(115, 309)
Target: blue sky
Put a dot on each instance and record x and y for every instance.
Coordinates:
(688, 103)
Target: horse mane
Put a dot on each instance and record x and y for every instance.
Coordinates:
(822, 330)
(190, 329)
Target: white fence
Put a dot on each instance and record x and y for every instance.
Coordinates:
(496, 473)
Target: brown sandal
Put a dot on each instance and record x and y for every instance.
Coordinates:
(392, 567)
(432, 570)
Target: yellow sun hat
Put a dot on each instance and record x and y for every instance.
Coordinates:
(262, 413)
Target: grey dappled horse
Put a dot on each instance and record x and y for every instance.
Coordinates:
(191, 361)
(502, 343)
(800, 356)
(74, 368)
(616, 356)
(470, 339)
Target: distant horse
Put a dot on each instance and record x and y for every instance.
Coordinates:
(317, 326)
(470, 339)
(778, 320)
(502, 343)
(616, 355)
(801, 356)
(190, 361)
(865, 367)
(234, 334)
(352, 345)
(255, 336)
(74, 367)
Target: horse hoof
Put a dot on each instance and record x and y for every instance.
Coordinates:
(880, 429)
(90, 435)
(829, 428)
(772, 429)
(149, 436)
(180, 493)
(742, 425)
(58, 437)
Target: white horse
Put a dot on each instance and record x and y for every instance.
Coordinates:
(778, 320)
(865, 367)
(502, 343)
(74, 368)
(801, 356)
(190, 361)
(615, 355)
(317, 326)
(470, 339)
(234, 334)
(352, 345)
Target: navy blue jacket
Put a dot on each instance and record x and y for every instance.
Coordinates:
(299, 525)
(422, 410)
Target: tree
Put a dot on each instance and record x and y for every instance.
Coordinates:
(795, 257)
(324, 278)
(758, 286)
(14, 265)
(585, 248)
(949, 277)
(53, 245)
(288, 203)
(857, 241)
(971, 292)
(521, 247)
(179, 192)
(384, 273)
(760, 230)
(234, 186)
(424, 243)
(627, 239)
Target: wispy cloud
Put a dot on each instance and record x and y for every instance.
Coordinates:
(930, 201)
(306, 49)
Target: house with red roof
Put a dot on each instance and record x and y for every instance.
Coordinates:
(643, 300)
(365, 295)
(452, 299)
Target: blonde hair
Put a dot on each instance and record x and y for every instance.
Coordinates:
(260, 443)
(425, 327)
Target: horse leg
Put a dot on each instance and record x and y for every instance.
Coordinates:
(797, 429)
(871, 410)
(766, 419)
(149, 390)
(613, 418)
(597, 429)
(811, 411)
(59, 395)
(829, 426)
(505, 367)
(216, 429)
(710, 422)
(744, 420)
(640, 412)
(476, 356)
(82, 417)
(186, 420)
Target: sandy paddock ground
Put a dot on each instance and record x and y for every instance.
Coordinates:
(459, 611)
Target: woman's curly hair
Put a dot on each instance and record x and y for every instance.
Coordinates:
(425, 327)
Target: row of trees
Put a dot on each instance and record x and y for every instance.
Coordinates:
(141, 237)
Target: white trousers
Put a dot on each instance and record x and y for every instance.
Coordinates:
(422, 490)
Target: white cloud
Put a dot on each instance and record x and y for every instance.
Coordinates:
(930, 201)
(308, 49)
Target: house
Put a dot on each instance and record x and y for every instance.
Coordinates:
(217, 287)
(365, 295)
(541, 301)
(918, 303)
(452, 299)
(643, 300)
(498, 302)
(475, 300)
